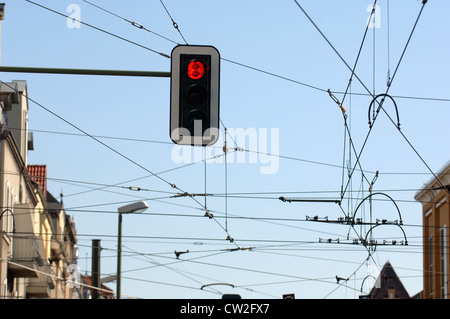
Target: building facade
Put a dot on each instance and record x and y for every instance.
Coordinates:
(18, 198)
(60, 242)
(37, 239)
(435, 199)
(38, 254)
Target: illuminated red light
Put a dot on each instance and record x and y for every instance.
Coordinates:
(195, 70)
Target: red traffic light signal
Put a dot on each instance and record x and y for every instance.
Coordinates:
(194, 95)
(196, 70)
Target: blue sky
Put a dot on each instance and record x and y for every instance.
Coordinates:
(289, 101)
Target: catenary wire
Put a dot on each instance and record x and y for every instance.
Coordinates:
(237, 148)
(388, 86)
(92, 137)
(99, 29)
(133, 23)
(274, 74)
(175, 25)
(122, 155)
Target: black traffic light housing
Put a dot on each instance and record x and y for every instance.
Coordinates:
(194, 95)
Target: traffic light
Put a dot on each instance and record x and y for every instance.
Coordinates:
(194, 95)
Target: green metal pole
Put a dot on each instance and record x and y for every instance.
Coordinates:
(19, 69)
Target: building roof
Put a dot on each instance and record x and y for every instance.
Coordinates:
(7, 137)
(38, 174)
(433, 185)
(14, 87)
(388, 281)
(106, 291)
(8, 87)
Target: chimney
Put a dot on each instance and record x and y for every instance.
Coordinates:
(38, 174)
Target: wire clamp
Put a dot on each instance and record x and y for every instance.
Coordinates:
(230, 238)
(178, 253)
(209, 215)
(137, 25)
(134, 188)
(335, 99)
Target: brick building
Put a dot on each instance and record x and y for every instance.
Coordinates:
(435, 199)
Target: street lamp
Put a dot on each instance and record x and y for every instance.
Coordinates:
(137, 207)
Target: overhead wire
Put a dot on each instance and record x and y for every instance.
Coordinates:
(373, 94)
(260, 284)
(388, 34)
(225, 151)
(353, 74)
(51, 276)
(332, 46)
(275, 244)
(92, 137)
(158, 264)
(98, 29)
(372, 13)
(139, 26)
(184, 272)
(96, 139)
(133, 23)
(159, 173)
(389, 84)
(205, 192)
(122, 155)
(237, 148)
(339, 285)
(177, 271)
(256, 250)
(241, 269)
(175, 25)
(308, 279)
(177, 28)
(82, 209)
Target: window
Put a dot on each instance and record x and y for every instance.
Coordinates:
(443, 256)
(430, 266)
(7, 211)
(391, 293)
(7, 217)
